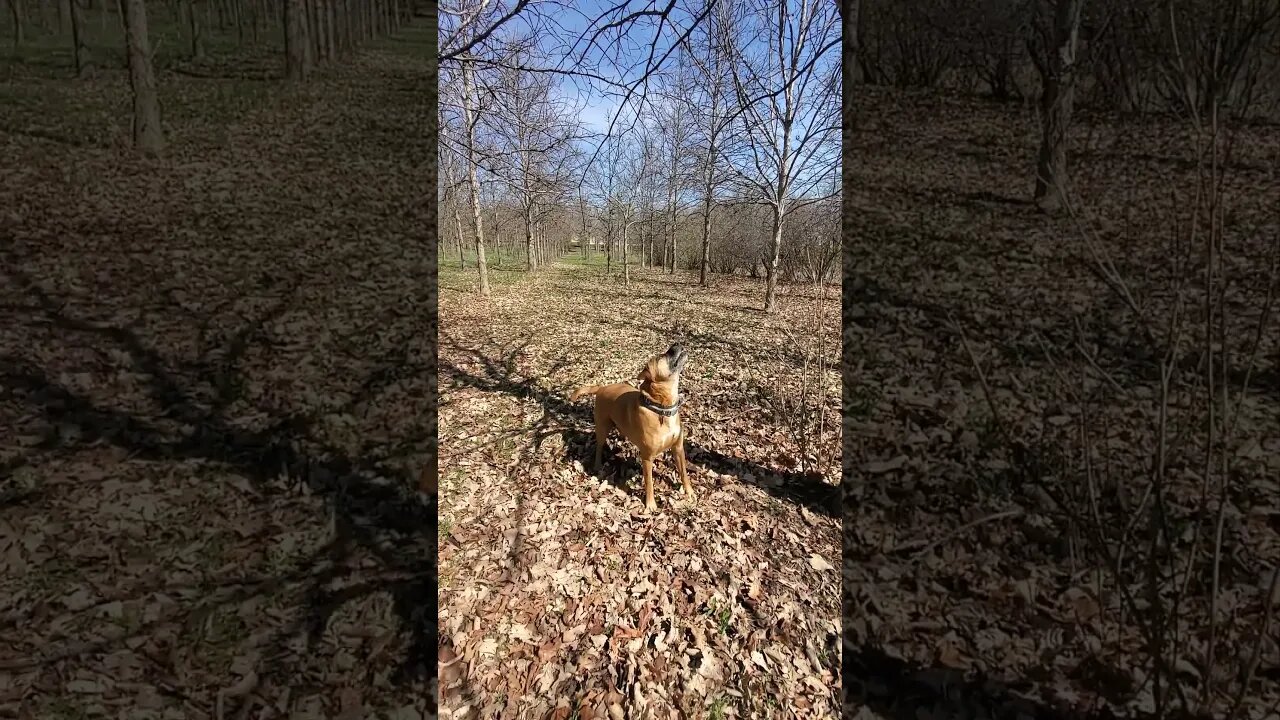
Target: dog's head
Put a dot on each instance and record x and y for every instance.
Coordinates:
(664, 368)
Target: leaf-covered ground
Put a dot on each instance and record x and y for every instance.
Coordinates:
(559, 596)
(213, 394)
(967, 590)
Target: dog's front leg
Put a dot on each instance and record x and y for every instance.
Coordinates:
(646, 465)
(684, 475)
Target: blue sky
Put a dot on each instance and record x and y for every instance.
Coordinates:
(555, 24)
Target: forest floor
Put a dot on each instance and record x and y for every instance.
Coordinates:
(970, 592)
(213, 376)
(559, 596)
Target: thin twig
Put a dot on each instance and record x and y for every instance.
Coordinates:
(926, 547)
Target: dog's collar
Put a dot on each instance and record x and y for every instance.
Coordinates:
(663, 410)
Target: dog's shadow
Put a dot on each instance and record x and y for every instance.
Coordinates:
(490, 367)
(619, 465)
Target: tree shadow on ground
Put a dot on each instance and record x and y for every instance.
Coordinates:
(372, 503)
(614, 293)
(50, 136)
(984, 200)
(1125, 348)
(220, 73)
(494, 372)
(897, 689)
(756, 353)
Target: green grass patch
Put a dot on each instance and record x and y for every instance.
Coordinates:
(454, 277)
(577, 259)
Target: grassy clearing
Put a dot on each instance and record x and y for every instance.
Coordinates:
(724, 603)
(213, 391)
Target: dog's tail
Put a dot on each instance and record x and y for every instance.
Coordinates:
(584, 390)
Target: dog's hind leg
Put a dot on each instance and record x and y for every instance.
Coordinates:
(603, 426)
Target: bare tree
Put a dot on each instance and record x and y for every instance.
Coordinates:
(470, 117)
(1054, 46)
(674, 123)
(591, 52)
(449, 185)
(904, 43)
(1214, 53)
(985, 38)
(536, 130)
(711, 107)
(586, 240)
(148, 136)
(789, 135)
(297, 64)
(18, 12)
(608, 175)
(79, 48)
(635, 161)
(192, 18)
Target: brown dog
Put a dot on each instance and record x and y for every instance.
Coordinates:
(649, 416)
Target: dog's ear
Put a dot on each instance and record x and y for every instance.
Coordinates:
(644, 373)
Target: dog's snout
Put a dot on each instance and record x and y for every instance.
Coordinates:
(675, 350)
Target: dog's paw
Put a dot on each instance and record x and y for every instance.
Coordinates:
(651, 507)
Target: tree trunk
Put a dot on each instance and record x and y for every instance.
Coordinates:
(626, 267)
(79, 49)
(540, 233)
(45, 9)
(309, 30)
(771, 267)
(705, 259)
(531, 262)
(339, 27)
(671, 218)
(1057, 76)
(295, 41)
(330, 30)
(317, 9)
(457, 221)
(237, 16)
(586, 245)
(19, 28)
(497, 239)
(148, 137)
(469, 96)
(193, 29)
(317, 24)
